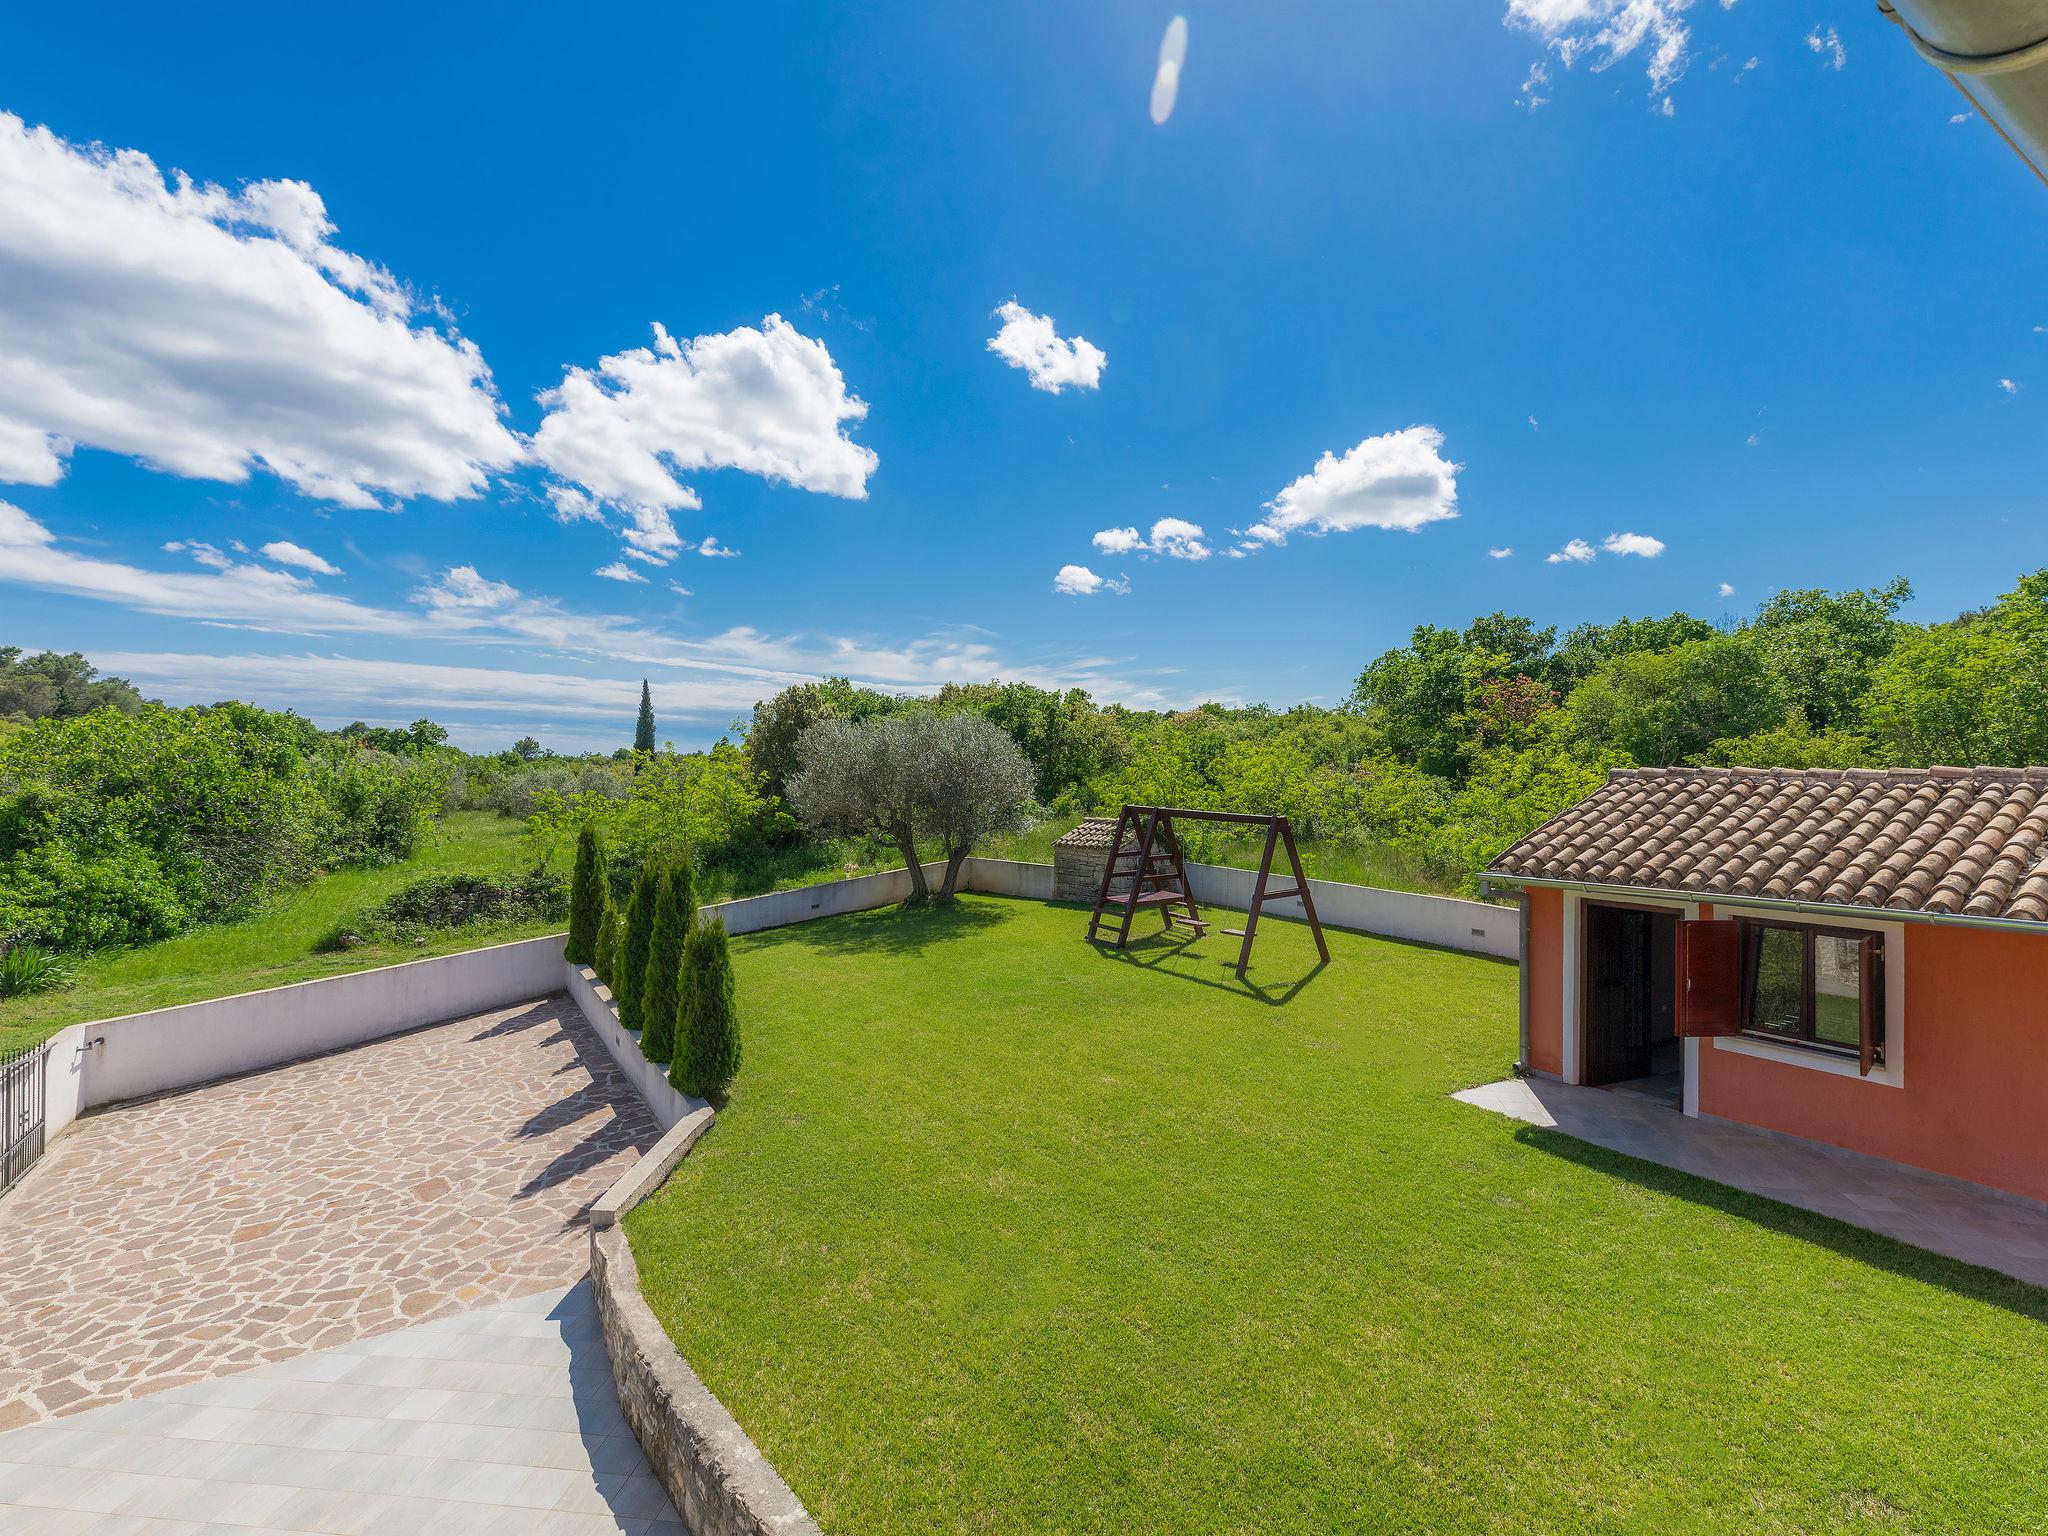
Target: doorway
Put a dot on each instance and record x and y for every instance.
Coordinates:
(1629, 999)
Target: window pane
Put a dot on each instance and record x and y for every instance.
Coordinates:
(1780, 961)
(1837, 989)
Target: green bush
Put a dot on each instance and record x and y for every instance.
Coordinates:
(609, 931)
(586, 899)
(660, 993)
(708, 1050)
(24, 969)
(438, 903)
(634, 942)
(123, 829)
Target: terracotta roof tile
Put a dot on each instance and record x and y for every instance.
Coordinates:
(1970, 841)
(1094, 832)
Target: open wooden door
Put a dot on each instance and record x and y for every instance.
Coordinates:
(1709, 978)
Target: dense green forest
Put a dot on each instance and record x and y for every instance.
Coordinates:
(123, 821)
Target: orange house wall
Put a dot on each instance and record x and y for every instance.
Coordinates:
(1974, 1103)
(1545, 961)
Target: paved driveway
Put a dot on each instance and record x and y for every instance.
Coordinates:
(240, 1225)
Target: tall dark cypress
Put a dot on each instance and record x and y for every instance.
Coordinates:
(660, 993)
(587, 897)
(634, 943)
(643, 732)
(708, 1034)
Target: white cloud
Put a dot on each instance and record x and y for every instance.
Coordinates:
(1726, 590)
(1576, 552)
(1173, 53)
(2009, 386)
(1964, 117)
(1608, 31)
(1535, 425)
(1396, 480)
(1827, 42)
(1179, 539)
(207, 332)
(284, 552)
(1752, 441)
(208, 555)
(1533, 85)
(1633, 544)
(572, 506)
(770, 402)
(711, 549)
(618, 570)
(1079, 581)
(1174, 537)
(680, 590)
(1502, 552)
(1052, 363)
(1748, 64)
(461, 605)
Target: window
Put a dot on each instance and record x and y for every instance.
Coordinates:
(1820, 987)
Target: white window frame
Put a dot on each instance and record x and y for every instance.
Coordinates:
(1891, 1073)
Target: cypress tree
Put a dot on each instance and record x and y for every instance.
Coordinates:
(643, 729)
(587, 890)
(607, 962)
(631, 967)
(708, 1052)
(658, 993)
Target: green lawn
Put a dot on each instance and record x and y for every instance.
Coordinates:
(1002, 1234)
(276, 945)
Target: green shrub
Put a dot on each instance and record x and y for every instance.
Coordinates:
(608, 934)
(438, 903)
(586, 899)
(59, 897)
(633, 944)
(24, 969)
(660, 993)
(708, 1050)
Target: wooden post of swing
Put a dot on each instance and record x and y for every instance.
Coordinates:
(1159, 876)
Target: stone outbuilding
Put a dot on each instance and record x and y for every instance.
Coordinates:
(1077, 861)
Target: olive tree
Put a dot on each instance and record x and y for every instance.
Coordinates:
(951, 779)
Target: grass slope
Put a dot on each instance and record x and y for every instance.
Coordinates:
(999, 1233)
(276, 946)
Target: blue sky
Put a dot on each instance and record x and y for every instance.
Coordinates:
(1790, 330)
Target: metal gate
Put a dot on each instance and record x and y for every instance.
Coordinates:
(22, 1091)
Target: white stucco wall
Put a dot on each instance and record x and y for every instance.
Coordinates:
(1473, 926)
(595, 999)
(144, 1053)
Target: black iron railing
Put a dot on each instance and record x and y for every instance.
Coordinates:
(23, 1091)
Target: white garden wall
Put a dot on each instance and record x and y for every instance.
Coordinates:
(140, 1054)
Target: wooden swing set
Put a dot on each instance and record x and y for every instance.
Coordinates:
(1159, 875)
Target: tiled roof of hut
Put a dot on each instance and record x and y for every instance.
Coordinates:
(1095, 832)
(1969, 842)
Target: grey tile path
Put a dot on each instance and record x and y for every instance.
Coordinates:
(497, 1422)
(1949, 1217)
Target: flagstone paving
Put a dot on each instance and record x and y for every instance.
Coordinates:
(298, 1209)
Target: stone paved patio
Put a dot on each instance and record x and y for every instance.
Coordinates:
(1946, 1216)
(305, 1207)
(496, 1422)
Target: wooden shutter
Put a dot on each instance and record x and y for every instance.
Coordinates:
(1709, 977)
(1869, 1000)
